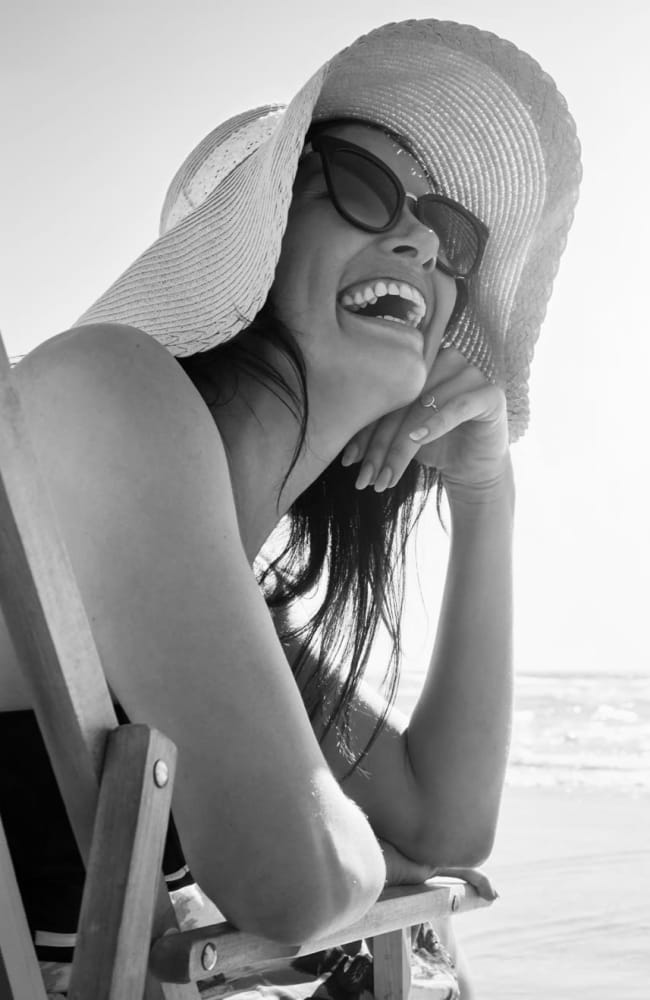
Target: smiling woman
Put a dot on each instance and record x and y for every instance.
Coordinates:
(345, 293)
(375, 259)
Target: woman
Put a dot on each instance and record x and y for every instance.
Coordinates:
(314, 262)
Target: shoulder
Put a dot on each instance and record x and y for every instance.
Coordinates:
(108, 379)
(108, 362)
(118, 427)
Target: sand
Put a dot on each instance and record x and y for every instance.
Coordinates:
(573, 918)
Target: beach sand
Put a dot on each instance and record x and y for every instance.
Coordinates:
(572, 868)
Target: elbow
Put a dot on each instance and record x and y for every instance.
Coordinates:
(315, 894)
(307, 917)
(306, 907)
(465, 846)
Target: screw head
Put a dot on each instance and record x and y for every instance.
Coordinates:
(160, 773)
(209, 957)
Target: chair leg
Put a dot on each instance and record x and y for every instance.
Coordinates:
(20, 974)
(391, 961)
(117, 912)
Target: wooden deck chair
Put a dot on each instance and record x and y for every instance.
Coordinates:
(116, 782)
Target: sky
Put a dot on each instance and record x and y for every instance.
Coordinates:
(99, 105)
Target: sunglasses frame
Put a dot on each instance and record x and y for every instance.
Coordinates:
(325, 145)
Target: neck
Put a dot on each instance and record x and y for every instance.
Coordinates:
(260, 435)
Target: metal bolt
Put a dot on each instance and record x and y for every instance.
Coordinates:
(209, 957)
(455, 903)
(160, 773)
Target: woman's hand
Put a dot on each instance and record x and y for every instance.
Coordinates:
(401, 870)
(464, 435)
(477, 879)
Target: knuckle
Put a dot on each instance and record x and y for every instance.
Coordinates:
(396, 459)
(462, 405)
(377, 450)
(401, 449)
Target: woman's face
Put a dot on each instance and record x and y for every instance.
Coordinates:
(366, 363)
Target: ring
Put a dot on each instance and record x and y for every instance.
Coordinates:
(428, 399)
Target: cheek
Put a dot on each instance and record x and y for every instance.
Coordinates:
(304, 283)
(445, 297)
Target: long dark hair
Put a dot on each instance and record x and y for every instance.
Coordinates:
(352, 543)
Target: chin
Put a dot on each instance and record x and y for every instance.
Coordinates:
(399, 388)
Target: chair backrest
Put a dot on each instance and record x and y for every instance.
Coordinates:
(52, 637)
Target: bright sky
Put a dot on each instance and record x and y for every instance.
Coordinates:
(101, 102)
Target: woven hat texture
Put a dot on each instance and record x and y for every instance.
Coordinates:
(484, 120)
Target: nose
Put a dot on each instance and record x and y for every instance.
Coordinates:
(413, 239)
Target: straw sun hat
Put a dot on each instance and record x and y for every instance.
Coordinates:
(483, 119)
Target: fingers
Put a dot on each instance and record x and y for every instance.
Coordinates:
(401, 870)
(463, 397)
(449, 362)
(374, 470)
(456, 392)
(477, 879)
(378, 443)
(474, 404)
(356, 447)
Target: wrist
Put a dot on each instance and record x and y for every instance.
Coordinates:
(496, 489)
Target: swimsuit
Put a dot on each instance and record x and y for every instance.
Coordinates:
(49, 869)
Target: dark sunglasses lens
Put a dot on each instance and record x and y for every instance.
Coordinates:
(460, 243)
(362, 189)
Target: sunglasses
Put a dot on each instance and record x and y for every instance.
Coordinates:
(366, 192)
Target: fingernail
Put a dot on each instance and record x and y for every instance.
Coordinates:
(384, 479)
(418, 434)
(350, 455)
(366, 475)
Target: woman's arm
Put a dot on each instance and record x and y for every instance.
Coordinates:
(457, 738)
(140, 483)
(434, 785)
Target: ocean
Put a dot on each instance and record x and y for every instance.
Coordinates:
(573, 730)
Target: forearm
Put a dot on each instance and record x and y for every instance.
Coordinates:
(457, 738)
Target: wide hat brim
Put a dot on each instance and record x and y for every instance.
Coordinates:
(482, 117)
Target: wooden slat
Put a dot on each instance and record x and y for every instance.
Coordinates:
(20, 975)
(179, 957)
(391, 965)
(111, 955)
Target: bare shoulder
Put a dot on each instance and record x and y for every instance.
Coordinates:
(136, 471)
(109, 405)
(109, 363)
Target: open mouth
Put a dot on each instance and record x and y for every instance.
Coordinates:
(386, 298)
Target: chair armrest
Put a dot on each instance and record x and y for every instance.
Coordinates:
(221, 949)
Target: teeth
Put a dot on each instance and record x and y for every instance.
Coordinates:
(364, 295)
(410, 293)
